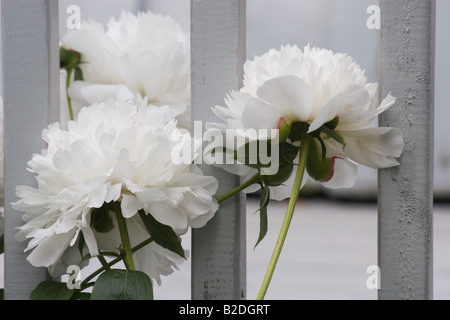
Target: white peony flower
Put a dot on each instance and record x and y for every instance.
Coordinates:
(318, 88)
(114, 152)
(147, 54)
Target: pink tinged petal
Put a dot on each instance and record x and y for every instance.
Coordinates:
(290, 95)
(259, 115)
(374, 147)
(130, 205)
(344, 175)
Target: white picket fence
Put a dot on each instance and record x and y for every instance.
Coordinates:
(31, 79)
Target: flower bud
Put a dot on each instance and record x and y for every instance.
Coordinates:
(318, 167)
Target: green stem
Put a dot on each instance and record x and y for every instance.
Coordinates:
(85, 283)
(248, 183)
(69, 101)
(124, 236)
(103, 262)
(288, 217)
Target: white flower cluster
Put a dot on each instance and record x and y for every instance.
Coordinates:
(146, 54)
(314, 86)
(114, 151)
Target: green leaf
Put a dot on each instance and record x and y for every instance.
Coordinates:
(263, 203)
(51, 290)
(122, 285)
(162, 234)
(81, 296)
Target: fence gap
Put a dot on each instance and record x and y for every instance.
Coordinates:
(31, 100)
(406, 192)
(218, 53)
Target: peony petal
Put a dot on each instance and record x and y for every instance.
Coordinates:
(50, 249)
(290, 95)
(90, 240)
(344, 176)
(130, 205)
(87, 93)
(327, 113)
(259, 115)
(151, 195)
(169, 215)
(113, 193)
(374, 147)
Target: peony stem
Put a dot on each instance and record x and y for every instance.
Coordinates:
(69, 101)
(124, 236)
(85, 283)
(248, 183)
(288, 217)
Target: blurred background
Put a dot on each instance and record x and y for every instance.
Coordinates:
(333, 238)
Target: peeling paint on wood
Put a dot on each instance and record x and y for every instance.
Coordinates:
(405, 192)
(31, 100)
(218, 54)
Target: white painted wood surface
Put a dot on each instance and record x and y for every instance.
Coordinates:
(218, 53)
(405, 192)
(31, 100)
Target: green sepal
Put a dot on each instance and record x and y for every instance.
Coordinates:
(299, 129)
(318, 167)
(284, 130)
(285, 171)
(69, 59)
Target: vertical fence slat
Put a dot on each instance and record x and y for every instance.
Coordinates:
(406, 192)
(31, 100)
(218, 53)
